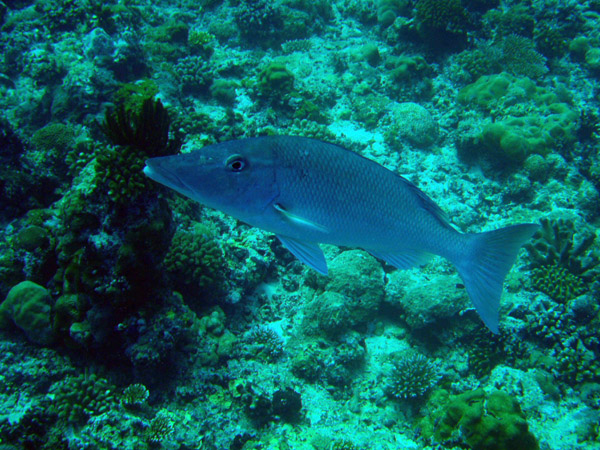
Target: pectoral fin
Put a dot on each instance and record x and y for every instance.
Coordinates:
(307, 252)
(297, 220)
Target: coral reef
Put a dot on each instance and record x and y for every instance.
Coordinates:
(134, 319)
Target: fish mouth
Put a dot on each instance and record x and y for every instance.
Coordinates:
(155, 170)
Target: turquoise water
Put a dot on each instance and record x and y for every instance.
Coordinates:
(134, 318)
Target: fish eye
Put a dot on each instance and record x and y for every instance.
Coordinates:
(236, 163)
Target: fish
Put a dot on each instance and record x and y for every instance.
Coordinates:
(309, 192)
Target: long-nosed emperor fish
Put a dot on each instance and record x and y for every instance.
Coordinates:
(309, 192)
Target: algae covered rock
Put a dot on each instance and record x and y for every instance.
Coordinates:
(414, 123)
(425, 303)
(327, 314)
(28, 307)
(360, 279)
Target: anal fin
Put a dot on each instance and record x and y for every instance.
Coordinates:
(403, 260)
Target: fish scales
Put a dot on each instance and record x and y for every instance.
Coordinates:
(358, 202)
(309, 192)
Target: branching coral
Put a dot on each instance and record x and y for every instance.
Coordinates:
(161, 427)
(194, 74)
(411, 377)
(486, 350)
(573, 348)
(261, 22)
(264, 341)
(519, 57)
(561, 268)
(134, 396)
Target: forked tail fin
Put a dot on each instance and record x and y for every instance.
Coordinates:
(491, 256)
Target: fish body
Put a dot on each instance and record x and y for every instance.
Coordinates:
(308, 192)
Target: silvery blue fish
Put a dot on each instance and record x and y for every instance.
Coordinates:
(309, 192)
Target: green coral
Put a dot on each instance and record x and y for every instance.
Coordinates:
(263, 342)
(194, 73)
(133, 95)
(69, 309)
(308, 110)
(411, 376)
(161, 427)
(76, 399)
(481, 420)
(403, 68)
(518, 19)
(315, 130)
(276, 79)
(528, 119)
(478, 62)
(121, 174)
(201, 43)
(28, 307)
(296, 45)
(327, 314)
(307, 364)
(513, 53)
(551, 41)
(224, 91)
(344, 444)
(519, 57)
(388, 10)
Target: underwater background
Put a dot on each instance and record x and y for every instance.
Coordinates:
(134, 318)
